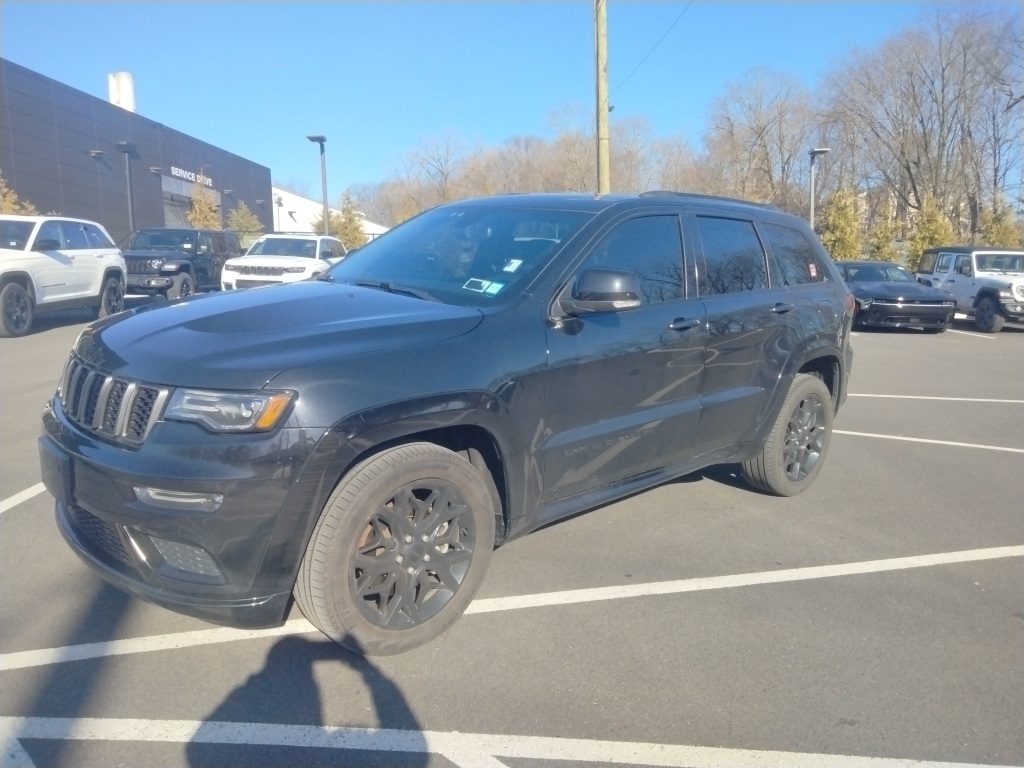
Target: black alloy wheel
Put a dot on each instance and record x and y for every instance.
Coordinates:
(987, 317)
(399, 551)
(798, 443)
(111, 298)
(17, 310)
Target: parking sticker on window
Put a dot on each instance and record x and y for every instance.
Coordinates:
(494, 288)
(476, 285)
(512, 265)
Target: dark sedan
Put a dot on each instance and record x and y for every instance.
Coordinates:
(888, 296)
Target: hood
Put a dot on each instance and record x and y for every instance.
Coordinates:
(242, 339)
(890, 291)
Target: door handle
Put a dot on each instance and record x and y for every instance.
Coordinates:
(683, 324)
(780, 308)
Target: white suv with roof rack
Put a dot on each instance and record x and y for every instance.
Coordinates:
(282, 258)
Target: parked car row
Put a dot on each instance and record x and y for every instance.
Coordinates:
(51, 263)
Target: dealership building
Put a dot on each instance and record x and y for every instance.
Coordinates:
(73, 154)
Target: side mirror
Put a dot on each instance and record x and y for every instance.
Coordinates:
(47, 245)
(600, 290)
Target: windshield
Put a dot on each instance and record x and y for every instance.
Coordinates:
(1000, 262)
(877, 273)
(467, 256)
(15, 234)
(162, 239)
(284, 246)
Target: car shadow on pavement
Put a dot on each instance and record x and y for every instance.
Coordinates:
(285, 693)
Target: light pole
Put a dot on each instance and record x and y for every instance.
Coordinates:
(814, 154)
(321, 140)
(125, 147)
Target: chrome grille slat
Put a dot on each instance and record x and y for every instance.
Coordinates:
(117, 408)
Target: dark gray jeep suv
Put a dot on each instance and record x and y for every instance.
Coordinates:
(361, 442)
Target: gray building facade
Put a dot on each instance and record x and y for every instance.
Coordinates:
(73, 154)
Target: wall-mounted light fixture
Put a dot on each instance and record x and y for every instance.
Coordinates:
(229, 192)
(260, 202)
(155, 169)
(96, 153)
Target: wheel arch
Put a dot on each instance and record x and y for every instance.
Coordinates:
(987, 292)
(827, 368)
(24, 279)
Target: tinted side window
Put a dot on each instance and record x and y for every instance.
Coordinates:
(651, 248)
(75, 235)
(963, 264)
(733, 256)
(927, 263)
(96, 237)
(945, 259)
(798, 264)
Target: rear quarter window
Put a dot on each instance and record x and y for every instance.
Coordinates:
(734, 259)
(797, 262)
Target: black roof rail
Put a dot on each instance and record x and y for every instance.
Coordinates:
(710, 198)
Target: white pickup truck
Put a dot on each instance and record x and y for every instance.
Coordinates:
(988, 283)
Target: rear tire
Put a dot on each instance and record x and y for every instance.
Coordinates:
(111, 298)
(16, 310)
(399, 551)
(183, 286)
(986, 316)
(795, 450)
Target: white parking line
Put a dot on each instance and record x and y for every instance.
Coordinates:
(952, 399)
(466, 750)
(25, 495)
(48, 656)
(932, 442)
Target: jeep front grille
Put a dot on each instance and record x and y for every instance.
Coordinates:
(139, 266)
(113, 407)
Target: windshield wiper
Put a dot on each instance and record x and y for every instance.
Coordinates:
(384, 285)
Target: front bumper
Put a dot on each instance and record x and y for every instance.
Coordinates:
(230, 559)
(901, 315)
(142, 283)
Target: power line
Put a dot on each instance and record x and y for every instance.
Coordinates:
(649, 53)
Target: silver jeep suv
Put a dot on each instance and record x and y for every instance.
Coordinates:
(54, 262)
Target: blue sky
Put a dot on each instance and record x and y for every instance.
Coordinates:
(381, 79)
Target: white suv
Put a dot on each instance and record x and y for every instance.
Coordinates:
(988, 283)
(282, 258)
(54, 262)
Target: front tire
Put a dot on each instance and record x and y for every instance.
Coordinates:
(17, 310)
(399, 551)
(795, 450)
(986, 316)
(183, 286)
(111, 298)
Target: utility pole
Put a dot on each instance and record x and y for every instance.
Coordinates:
(604, 177)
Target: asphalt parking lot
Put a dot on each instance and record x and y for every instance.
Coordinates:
(877, 619)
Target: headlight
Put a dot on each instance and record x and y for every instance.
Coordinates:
(156, 263)
(295, 270)
(229, 411)
(230, 268)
